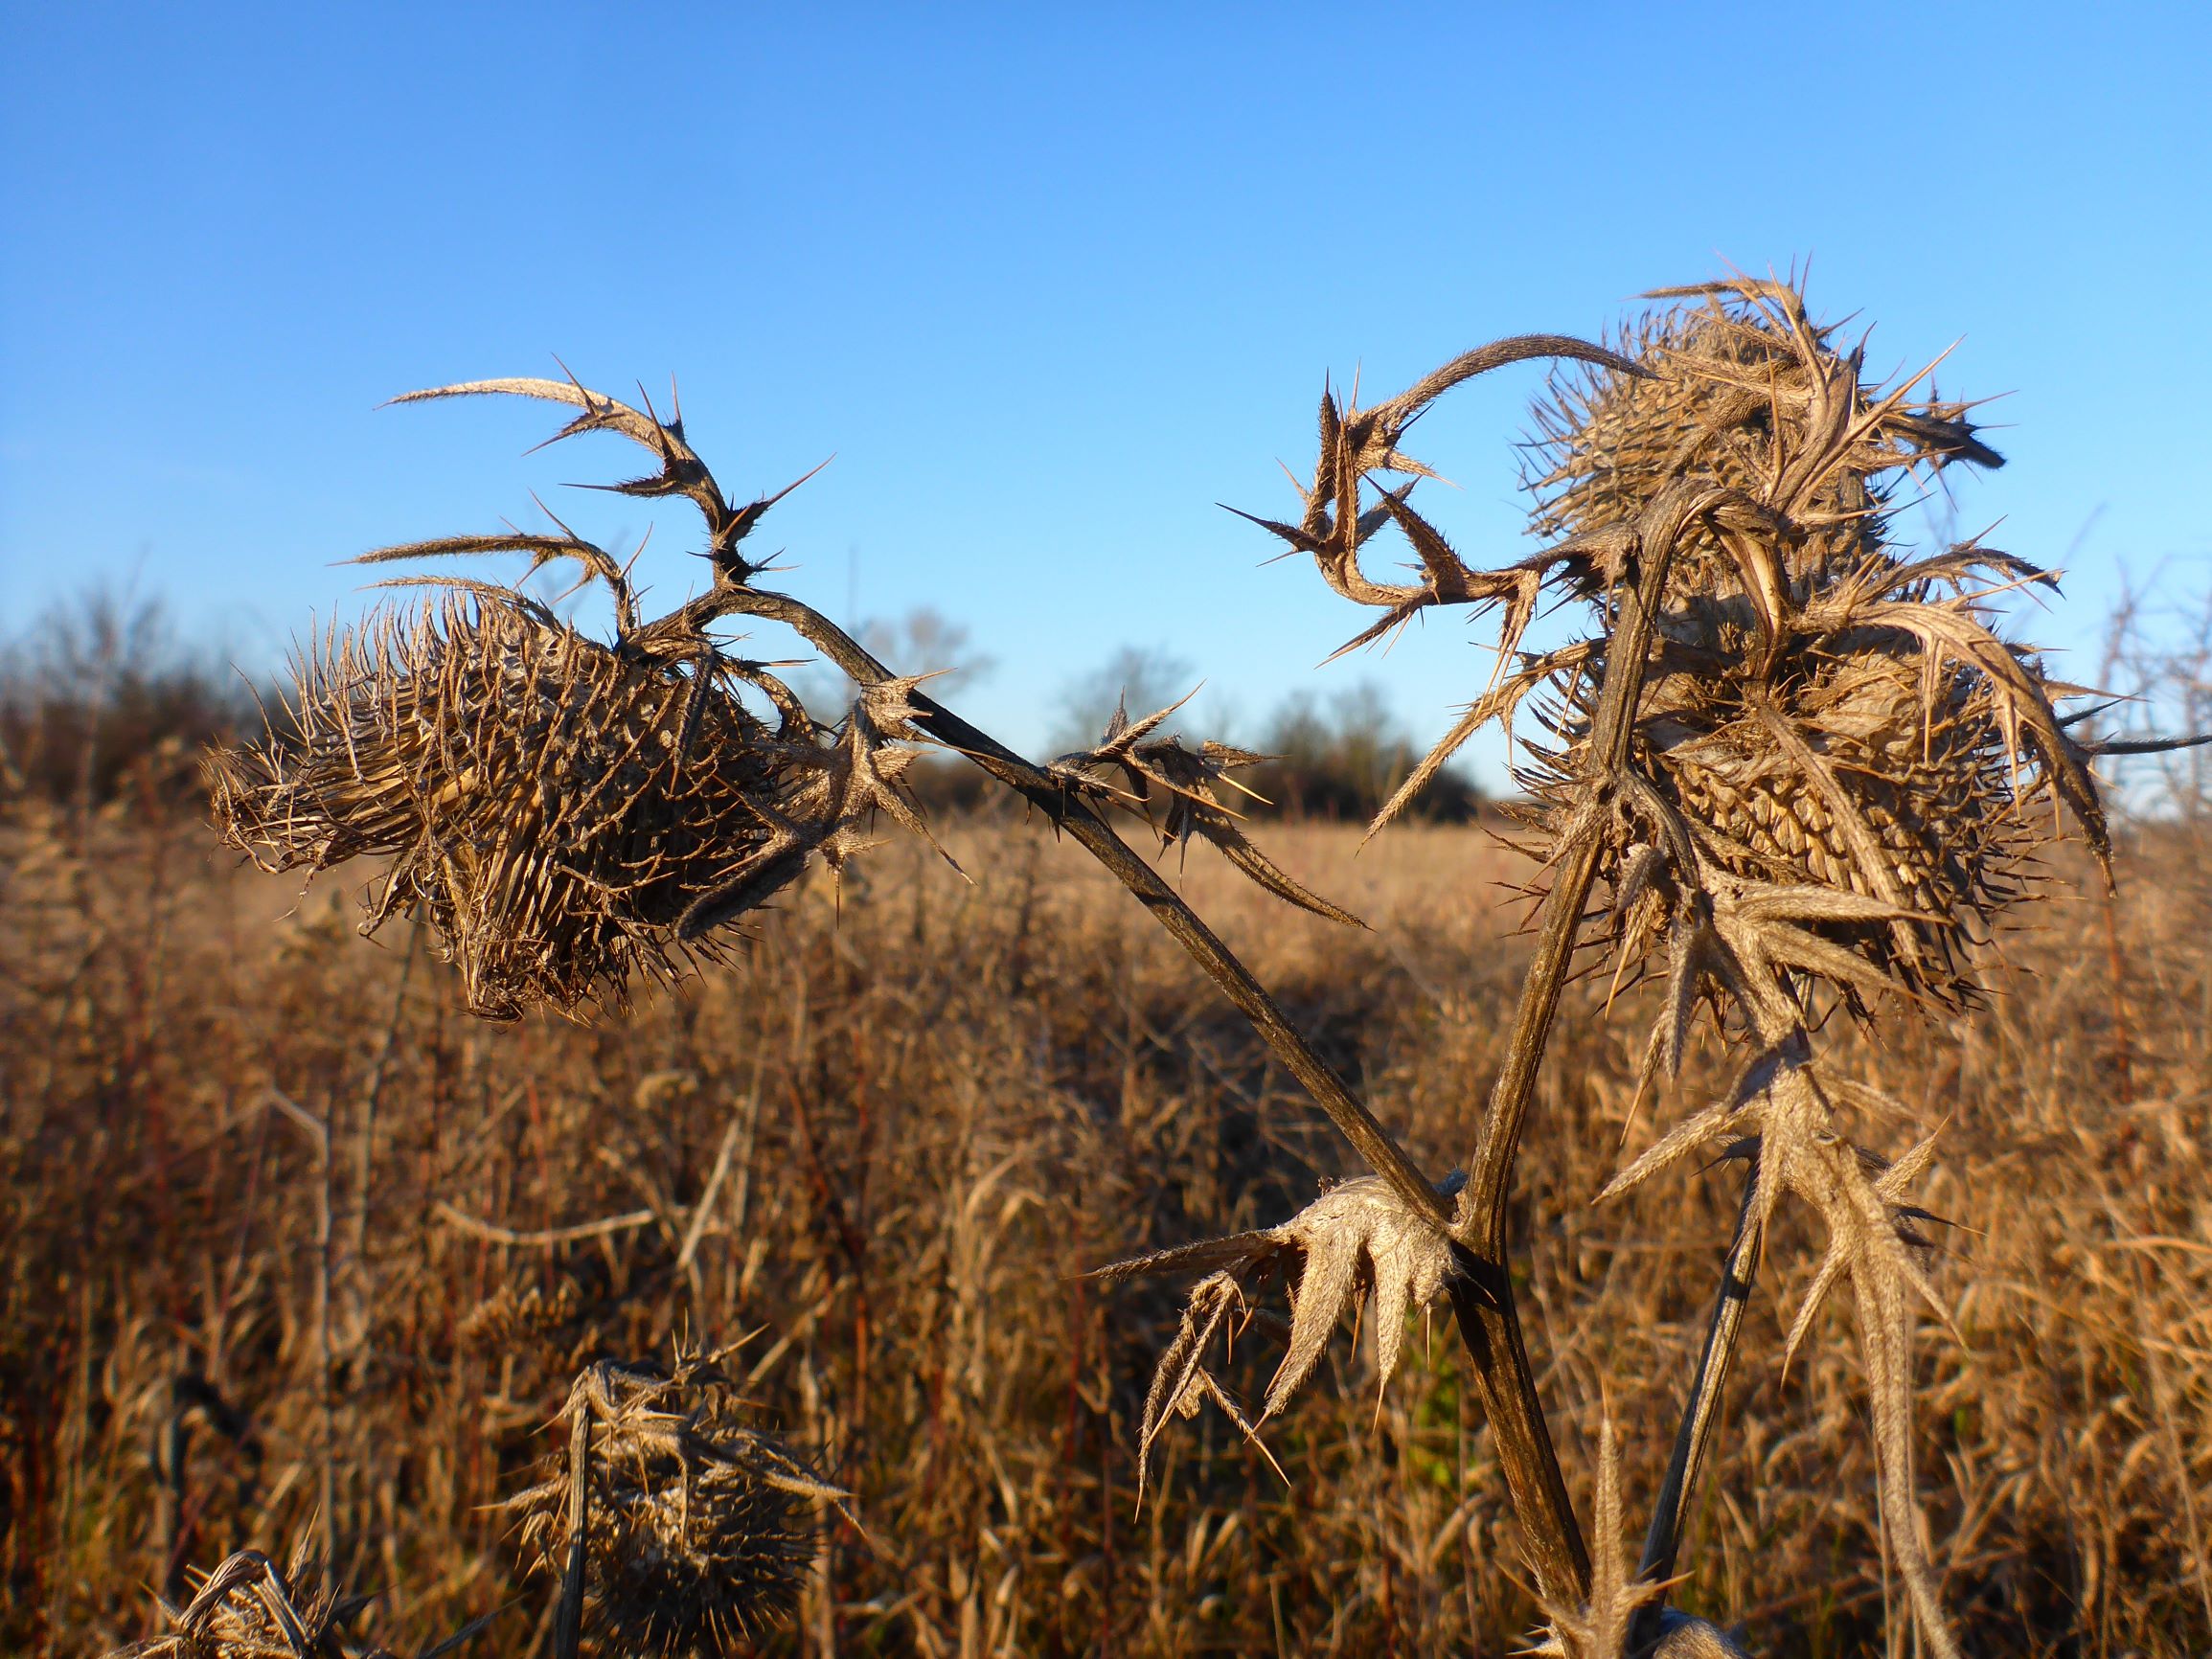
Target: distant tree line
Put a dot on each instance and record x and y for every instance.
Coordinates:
(102, 699)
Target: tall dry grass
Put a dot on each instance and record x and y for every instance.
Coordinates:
(287, 1232)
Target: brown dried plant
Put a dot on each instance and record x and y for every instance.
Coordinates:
(1185, 786)
(1801, 758)
(251, 1608)
(1804, 763)
(1357, 1241)
(673, 1524)
(565, 812)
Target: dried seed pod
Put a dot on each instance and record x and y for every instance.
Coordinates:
(250, 1608)
(1821, 707)
(558, 810)
(563, 812)
(694, 1528)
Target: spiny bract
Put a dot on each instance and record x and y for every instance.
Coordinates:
(1358, 1240)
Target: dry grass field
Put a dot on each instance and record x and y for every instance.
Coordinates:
(285, 1236)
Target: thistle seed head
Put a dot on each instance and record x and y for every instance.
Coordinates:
(1822, 708)
(696, 1531)
(251, 1608)
(559, 810)
(565, 812)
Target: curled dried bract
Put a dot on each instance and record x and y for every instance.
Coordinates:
(1358, 1240)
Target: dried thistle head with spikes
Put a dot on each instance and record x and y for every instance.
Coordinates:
(566, 813)
(1821, 711)
(251, 1608)
(1799, 754)
(1824, 710)
(673, 1525)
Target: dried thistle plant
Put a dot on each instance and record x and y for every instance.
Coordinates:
(251, 1608)
(673, 1526)
(1803, 760)
(563, 812)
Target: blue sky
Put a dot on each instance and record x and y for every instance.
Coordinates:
(1048, 283)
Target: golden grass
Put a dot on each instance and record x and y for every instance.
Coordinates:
(885, 1146)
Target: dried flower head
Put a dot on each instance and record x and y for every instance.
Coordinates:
(673, 1525)
(1800, 755)
(1359, 1240)
(565, 812)
(251, 1608)
(1823, 709)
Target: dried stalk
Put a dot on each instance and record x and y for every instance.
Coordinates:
(1693, 1436)
(1797, 755)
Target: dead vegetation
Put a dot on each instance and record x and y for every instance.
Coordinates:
(1797, 757)
(892, 1140)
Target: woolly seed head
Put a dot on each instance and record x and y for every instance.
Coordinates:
(696, 1531)
(552, 805)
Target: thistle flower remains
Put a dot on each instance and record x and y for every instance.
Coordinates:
(673, 1526)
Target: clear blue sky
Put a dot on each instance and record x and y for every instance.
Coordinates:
(1048, 283)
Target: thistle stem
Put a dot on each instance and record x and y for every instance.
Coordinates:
(1071, 813)
(1481, 1292)
(1699, 1413)
(1490, 1321)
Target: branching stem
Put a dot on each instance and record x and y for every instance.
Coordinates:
(1481, 1293)
(1081, 821)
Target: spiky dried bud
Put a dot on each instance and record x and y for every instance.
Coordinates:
(562, 812)
(1822, 709)
(250, 1608)
(693, 1523)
